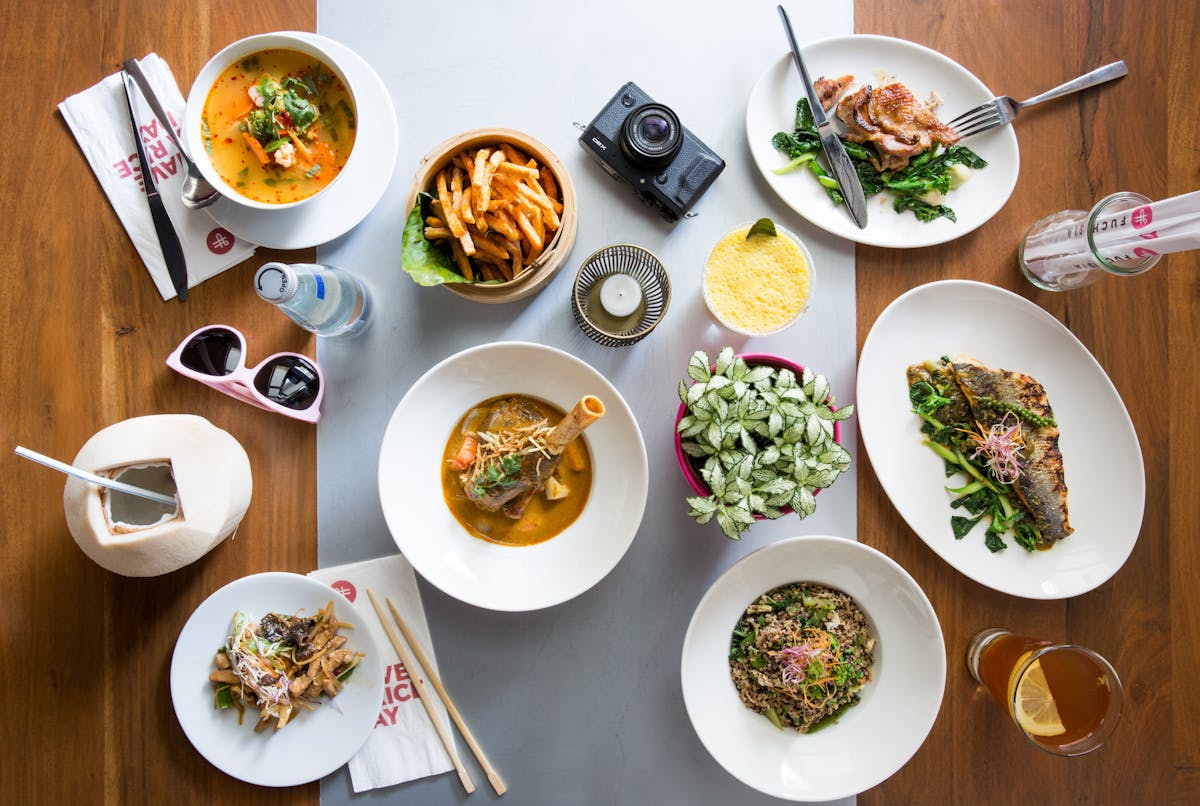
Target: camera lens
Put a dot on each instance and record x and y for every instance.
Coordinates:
(651, 136)
(654, 128)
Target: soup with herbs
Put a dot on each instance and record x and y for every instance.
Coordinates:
(516, 470)
(278, 126)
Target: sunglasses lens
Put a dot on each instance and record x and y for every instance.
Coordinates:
(214, 352)
(290, 381)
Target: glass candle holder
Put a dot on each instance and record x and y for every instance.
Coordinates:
(1060, 252)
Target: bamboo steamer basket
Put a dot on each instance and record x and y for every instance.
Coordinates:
(556, 252)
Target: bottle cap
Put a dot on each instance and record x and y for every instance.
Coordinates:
(275, 282)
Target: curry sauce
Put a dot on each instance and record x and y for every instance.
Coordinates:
(542, 518)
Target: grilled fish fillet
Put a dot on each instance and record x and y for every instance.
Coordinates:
(1041, 485)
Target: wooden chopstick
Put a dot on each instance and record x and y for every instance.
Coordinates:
(489, 770)
(443, 734)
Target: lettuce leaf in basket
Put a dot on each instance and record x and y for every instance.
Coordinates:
(428, 264)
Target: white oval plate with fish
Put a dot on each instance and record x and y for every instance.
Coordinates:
(480, 572)
(1102, 460)
(317, 742)
(772, 108)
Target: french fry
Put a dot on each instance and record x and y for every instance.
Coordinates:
(485, 246)
(452, 220)
(497, 209)
(526, 226)
(538, 226)
(512, 154)
(549, 185)
(456, 188)
(468, 214)
(514, 251)
(522, 171)
(504, 224)
(479, 179)
(464, 265)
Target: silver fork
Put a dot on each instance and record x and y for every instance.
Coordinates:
(1002, 110)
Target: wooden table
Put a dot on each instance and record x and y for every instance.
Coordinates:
(87, 715)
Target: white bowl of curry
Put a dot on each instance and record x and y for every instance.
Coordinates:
(271, 121)
(513, 476)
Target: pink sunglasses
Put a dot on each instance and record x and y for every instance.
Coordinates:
(285, 383)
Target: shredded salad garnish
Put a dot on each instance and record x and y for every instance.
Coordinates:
(281, 665)
(999, 447)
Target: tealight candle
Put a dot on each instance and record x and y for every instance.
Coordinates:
(620, 295)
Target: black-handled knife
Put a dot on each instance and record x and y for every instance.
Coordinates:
(172, 251)
(839, 162)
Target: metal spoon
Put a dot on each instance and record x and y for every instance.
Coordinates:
(197, 191)
(80, 473)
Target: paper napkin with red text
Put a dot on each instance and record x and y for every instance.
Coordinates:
(99, 119)
(404, 745)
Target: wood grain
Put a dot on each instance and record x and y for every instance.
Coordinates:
(87, 713)
(1073, 152)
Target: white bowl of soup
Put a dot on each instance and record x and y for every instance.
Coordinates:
(542, 506)
(271, 121)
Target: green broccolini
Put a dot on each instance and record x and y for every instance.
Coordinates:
(928, 172)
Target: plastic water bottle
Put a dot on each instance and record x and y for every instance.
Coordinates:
(324, 299)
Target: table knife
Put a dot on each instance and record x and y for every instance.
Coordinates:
(172, 251)
(839, 163)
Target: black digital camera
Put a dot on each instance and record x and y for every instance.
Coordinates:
(642, 142)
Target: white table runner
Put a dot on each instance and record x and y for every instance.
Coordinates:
(579, 703)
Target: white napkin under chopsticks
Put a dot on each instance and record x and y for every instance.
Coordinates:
(99, 119)
(404, 745)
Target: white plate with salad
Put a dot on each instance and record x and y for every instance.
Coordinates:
(872, 59)
(1101, 457)
(868, 741)
(311, 745)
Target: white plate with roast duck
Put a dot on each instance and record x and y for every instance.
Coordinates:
(890, 98)
(1000, 440)
(513, 476)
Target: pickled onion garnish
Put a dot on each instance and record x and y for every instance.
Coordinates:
(999, 447)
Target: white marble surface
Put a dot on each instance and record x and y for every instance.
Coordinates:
(579, 703)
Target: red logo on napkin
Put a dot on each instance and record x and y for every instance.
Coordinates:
(219, 242)
(346, 588)
(1142, 217)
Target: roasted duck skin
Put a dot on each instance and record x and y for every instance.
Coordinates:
(1041, 486)
(828, 89)
(892, 119)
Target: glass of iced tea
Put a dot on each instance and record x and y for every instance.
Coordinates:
(1066, 699)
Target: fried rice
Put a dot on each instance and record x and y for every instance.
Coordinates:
(800, 655)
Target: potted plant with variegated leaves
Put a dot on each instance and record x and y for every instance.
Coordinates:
(757, 436)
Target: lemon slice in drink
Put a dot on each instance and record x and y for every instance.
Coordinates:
(1033, 704)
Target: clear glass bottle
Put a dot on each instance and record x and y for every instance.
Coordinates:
(1061, 252)
(324, 299)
